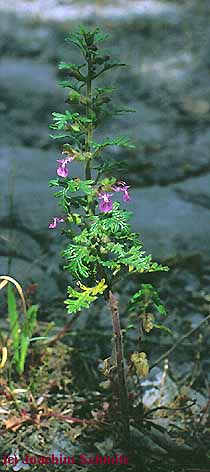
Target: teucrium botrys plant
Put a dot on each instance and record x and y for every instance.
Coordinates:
(101, 246)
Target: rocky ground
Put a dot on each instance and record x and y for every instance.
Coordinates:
(166, 46)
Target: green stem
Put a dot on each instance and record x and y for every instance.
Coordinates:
(89, 133)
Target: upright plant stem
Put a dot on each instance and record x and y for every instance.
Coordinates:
(89, 133)
(119, 355)
(118, 340)
(88, 114)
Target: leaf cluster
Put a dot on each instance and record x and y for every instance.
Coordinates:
(81, 299)
(95, 63)
(146, 304)
(107, 247)
(146, 297)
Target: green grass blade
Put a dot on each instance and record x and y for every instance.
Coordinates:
(27, 331)
(13, 322)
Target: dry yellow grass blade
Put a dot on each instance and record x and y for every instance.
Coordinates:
(5, 279)
(3, 284)
(4, 357)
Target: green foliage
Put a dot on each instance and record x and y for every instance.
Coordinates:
(78, 258)
(145, 297)
(110, 223)
(110, 166)
(119, 141)
(14, 322)
(21, 331)
(146, 305)
(81, 300)
(70, 84)
(73, 186)
(84, 38)
(101, 245)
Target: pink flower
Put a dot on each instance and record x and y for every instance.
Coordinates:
(62, 169)
(106, 204)
(122, 187)
(55, 221)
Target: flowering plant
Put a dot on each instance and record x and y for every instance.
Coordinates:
(101, 246)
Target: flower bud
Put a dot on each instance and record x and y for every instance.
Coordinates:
(105, 239)
(99, 60)
(102, 99)
(93, 47)
(75, 127)
(89, 38)
(74, 96)
(84, 100)
(103, 250)
(148, 322)
(140, 362)
(76, 74)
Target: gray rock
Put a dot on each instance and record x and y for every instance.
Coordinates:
(157, 391)
(55, 10)
(169, 226)
(29, 93)
(25, 236)
(18, 244)
(167, 83)
(22, 39)
(196, 190)
(25, 81)
(30, 272)
(33, 201)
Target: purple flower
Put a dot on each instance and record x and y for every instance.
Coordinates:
(126, 196)
(62, 169)
(55, 221)
(122, 187)
(106, 204)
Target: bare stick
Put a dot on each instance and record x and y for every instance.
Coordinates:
(179, 341)
(62, 333)
(119, 358)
